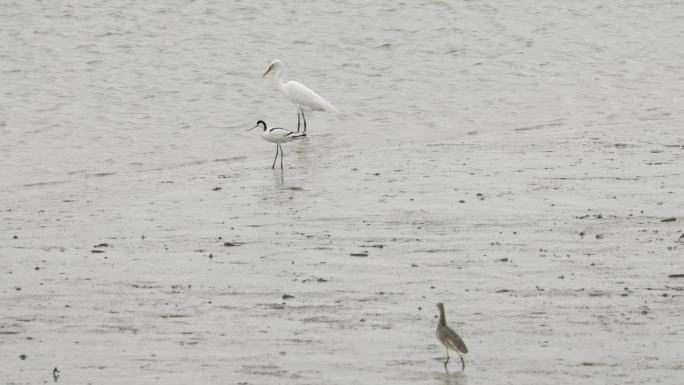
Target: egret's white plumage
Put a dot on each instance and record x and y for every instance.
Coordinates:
(303, 97)
(277, 135)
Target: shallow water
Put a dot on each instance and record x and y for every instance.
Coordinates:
(512, 160)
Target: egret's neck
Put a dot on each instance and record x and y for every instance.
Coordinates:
(442, 318)
(279, 81)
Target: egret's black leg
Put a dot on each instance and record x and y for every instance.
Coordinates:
(304, 118)
(281, 156)
(276, 157)
(298, 120)
(447, 361)
(462, 363)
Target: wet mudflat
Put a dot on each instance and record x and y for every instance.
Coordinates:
(536, 191)
(551, 268)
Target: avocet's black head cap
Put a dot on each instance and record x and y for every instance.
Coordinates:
(259, 123)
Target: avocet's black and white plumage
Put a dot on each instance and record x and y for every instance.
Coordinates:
(277, 135)
(303, 97)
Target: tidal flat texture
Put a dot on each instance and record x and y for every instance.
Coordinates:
(522, 162)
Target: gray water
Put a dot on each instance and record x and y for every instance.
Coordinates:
(484, 150)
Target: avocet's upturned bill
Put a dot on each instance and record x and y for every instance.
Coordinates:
(303, 97)
(277, 135)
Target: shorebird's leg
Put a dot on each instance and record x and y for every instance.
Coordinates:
(447, 360)
(462, 362)
(298, 119)
(276, 157)
(304, 118)
(281, 161)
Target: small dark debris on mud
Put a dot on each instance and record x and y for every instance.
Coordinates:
(96, 251)
(676, 275)
(216, 189)
(361, 254)
(167, 316)
(231, 244)
(596, 216)
(288, 296)
(599, 236)
(669, 219)
(103, 245)
(15, 237)
(503, 291)
(502, 260)
(22, 357)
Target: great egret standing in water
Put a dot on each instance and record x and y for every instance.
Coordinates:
(303, 97)
(277, 135)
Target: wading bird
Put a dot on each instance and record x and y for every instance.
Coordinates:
(277, 135)
(304, 98)
(449, 338)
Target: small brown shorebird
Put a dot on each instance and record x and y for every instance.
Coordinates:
(449, 338)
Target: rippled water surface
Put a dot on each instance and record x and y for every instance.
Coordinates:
(520, 161)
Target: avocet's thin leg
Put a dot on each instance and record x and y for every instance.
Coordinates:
(276, 157)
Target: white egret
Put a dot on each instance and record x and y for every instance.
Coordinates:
(303, 97)
(277, 135)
